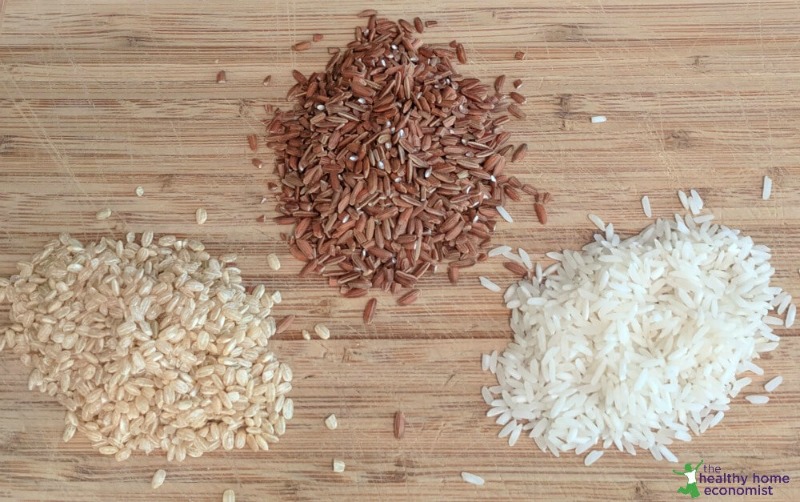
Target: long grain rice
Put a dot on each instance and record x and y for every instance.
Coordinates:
(773, 384)
(646, 206)
(766, 189)
(488, 284)
(472, 479)
(631, 334)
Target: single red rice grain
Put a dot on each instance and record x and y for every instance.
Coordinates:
(252, 142)
(541, 212)
(408, 298)
(301, 46)
(399, 425)
(517, 83)
(367, 13)
(317, 37)
(517, 97)
(516, 111)
(519, 153)
(221, 77)
(515, 268)
(461, 54)
(452, 274)
(519, 55)
(418, 25)
(369, 311)
(498, 83)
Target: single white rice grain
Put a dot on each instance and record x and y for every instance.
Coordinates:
(696, 197)
(338, 465)
(597, 222)
(717, 419)
(684, 200)
(766, 189)
(598, 119)
(667, 454)
(273, 261)
(526, 258)
(750, 366)
(103, 214)
(201, 216)
(322, 331)
(790, 315)
(593, 457)
(139, 191)
(472, 478)
(331, 422)
(499, 250)
(646, 206)
(229, 496)
(757, 399)
(306, 335)
(504, 214)
(773, 384)
(158, 478)
(488, 284)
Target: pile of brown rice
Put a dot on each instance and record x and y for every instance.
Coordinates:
(392, 161)
(149, 346)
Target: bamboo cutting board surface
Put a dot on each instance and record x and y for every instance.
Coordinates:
(99, 97)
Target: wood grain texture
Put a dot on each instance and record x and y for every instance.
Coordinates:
(99, 97)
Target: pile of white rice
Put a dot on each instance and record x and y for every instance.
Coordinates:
(635, 342)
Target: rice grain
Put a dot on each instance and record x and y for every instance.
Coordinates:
(331, 422)
(773, 384)
(158, 478)
(273, 261)
(472, 479)
(646, 206)
(766, 189)
(322, 331)
(488, 284)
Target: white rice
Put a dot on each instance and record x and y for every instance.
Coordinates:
(790, 315)
(773, 384)
(597, 222)
(526, 259)
(593, 457)
(684, 200)
(598, 119)
(766, 189)
(472, 478)
(486, 283)
(635, 348)
(504, 214)
(646, 206)
(758, 399)
(695, 203)
(499, 250)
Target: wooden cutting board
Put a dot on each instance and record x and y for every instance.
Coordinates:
(99, 97)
